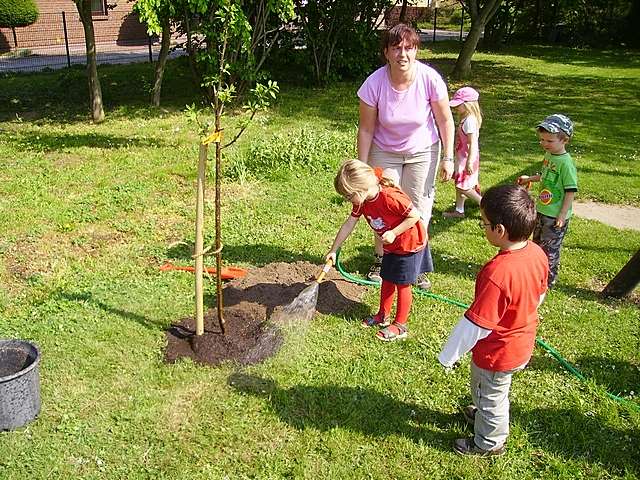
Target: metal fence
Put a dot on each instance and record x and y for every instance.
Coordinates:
(56, 40)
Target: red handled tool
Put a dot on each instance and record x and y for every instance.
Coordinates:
(227, 273)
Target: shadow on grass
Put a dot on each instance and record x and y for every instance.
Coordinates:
(337, 104)
(587, 57)
(631, 249)
(327, 407)
(86, 297)
(584, 436)
(255, 254)
(62, 96)
(588, 295)
(569, 433)
(618, 377)
(601, 58)
(39, 141)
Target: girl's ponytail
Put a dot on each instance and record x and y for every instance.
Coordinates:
(383, 181)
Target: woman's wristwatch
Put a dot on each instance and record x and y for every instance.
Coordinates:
(447, 159)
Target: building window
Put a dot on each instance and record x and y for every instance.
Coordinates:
(99, 7)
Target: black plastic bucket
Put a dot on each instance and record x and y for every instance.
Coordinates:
(19, 383)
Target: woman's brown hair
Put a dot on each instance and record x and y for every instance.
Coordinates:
(399, 33)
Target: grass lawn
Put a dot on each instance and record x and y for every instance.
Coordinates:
(88, 214)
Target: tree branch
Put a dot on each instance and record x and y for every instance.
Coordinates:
(242, 129)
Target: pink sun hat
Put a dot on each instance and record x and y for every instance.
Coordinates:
(464, 94)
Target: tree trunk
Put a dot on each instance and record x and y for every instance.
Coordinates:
(191, 55)
(161, 62)
(479, 18)
(218, 107)
(95, 92)
(626, 280)
(403, 12)
(462, 68)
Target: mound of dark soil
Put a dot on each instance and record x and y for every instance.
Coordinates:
(249, 303)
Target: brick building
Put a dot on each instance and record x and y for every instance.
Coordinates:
(113, 23)
(419, 11)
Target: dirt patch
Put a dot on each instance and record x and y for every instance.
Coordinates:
(246, 190)
(63, 160)
(93, 240)
(250, 335)
(28, 257)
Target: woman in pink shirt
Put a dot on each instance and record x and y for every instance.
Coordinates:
(404, 114)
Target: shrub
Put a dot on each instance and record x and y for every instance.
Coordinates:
(598, 23)
(19, 53)
(456, 17)
(17, 13)
(299, 150)
(334, 40)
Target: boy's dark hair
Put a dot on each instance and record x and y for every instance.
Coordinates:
(512, 207)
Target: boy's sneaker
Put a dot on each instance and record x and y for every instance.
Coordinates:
(469, 414)
(374, 271)
(467, 446)
(423, 282)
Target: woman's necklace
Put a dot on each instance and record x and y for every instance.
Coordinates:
(400, 96)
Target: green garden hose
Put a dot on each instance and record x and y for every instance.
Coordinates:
(554, 353)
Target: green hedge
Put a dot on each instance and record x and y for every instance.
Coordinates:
(18, 13)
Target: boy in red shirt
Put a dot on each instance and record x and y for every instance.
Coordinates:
(500, 325)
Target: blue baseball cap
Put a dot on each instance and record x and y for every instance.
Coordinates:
(557, 123)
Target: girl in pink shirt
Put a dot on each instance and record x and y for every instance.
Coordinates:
(467, 164)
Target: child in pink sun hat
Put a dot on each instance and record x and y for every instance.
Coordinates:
(467, 150)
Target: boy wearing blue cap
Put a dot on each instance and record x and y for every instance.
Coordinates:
(558, 186)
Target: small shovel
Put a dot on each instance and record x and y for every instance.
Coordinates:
(304, 305)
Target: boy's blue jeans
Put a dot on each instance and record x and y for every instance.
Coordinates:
(550, 238)
(490, 395)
